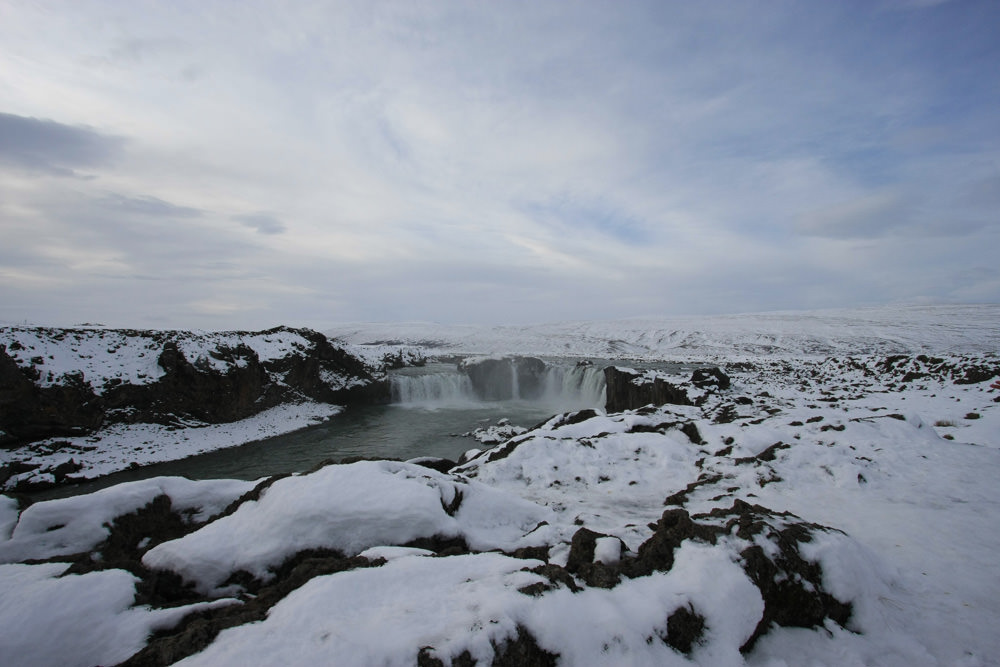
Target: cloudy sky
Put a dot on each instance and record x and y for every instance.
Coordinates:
(244, 164)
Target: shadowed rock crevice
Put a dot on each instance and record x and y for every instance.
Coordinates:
(685, 628)
(581, 560)
(132, 535)
(519, 651)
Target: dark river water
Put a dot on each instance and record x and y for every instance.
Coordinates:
(434, 406)
(386, 431)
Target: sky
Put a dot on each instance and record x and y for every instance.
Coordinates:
(224, 165)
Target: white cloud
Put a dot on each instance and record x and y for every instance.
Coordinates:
(367, 160)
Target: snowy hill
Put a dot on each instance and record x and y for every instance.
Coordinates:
(886, 330)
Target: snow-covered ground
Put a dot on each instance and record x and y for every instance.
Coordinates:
(888, 467)
(884, 330)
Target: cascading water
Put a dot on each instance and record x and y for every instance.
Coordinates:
(515, 383)
(559, 386)
(436, 388)
(583, 384)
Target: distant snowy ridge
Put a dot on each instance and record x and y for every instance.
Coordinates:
(820, 333)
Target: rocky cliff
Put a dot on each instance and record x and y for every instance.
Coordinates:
(629, 389)
(503, 378)
(58, 382)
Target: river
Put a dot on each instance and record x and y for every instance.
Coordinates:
(433, 406)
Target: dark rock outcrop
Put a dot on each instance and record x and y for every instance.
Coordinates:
(200, 392)
(30, 412)
(657, 553)
(790, 585)
(710, 378)
(232, 383)
(625, 393)
(685, 628)
(199, 629)
(519, 651)
(628, 389)
(499, 379)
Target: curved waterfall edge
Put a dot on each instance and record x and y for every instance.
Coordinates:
(564, 386)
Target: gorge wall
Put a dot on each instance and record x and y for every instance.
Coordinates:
(60, 382)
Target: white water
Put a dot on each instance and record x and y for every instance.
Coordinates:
(585, 383)
(443, 388)
(515, 387)
(565, 386)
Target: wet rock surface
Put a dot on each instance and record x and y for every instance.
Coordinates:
(498, 379)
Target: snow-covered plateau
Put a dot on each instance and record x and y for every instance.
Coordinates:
(794, 334)
(829, 498)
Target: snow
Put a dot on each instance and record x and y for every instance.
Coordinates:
(465, 603)
(338, 381)
(103, 356)
(453, 604)
(608, 550)
(120, 446)
(71, 525)
(77, 619)
(600, 627)
(392, 553)
(8, 517)
(493, 434)
(378, 356)
(794, 335)
(591, 483)
(902, 471)
(349, 509)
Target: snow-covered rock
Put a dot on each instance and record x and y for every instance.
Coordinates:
(494, 434)
(347, 509)
(70, 381)
(80, 523)
(820, 510)
(62, 385)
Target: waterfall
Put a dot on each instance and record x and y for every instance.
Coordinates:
(562, 386)
(575, 386)
(445, 388)
(515, 386)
